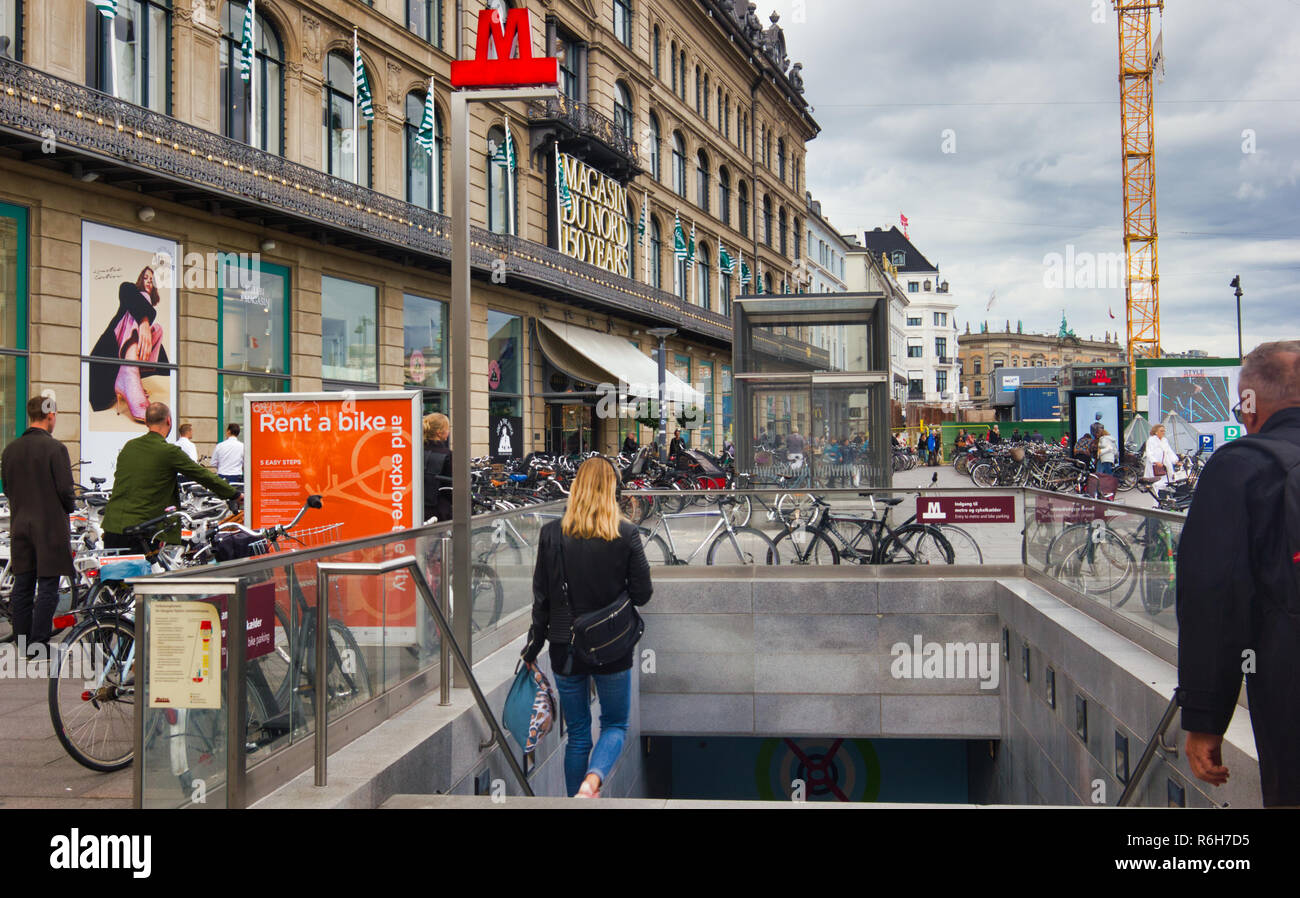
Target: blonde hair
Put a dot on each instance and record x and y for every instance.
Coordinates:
(1159, 427)
(592, 512)
(436, 427)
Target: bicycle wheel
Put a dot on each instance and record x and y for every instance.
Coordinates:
(6, 621)
(743, 545)
(983, 475)
(857, 541)
(347, 679)
(634, 508)
(805, 546)
(495, 544)
(916, 544)
(199, 741)
(656, 550)
(737, 509)
(1100, 564)
(92, 693)
(108, 592)
(965, 548)
(1127, 475)
(488, 596)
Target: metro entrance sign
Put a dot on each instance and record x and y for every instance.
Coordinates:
(483, 79)
(522, 71)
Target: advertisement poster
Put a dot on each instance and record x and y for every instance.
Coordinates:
(507, 436)
(1090, 407)
(128, 326)
(1203, 396)
(184, 655)
(361, 453)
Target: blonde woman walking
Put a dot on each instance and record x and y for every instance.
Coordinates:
(588, 561)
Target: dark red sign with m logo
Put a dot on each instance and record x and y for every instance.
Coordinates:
(503, 71)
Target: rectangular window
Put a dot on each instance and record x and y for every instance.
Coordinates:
(940, 319)
(505, 363)
(623, 21)
(349, 331)
(253, 338)
(570, 53)
(704, 382)
(424, 349)
(913, 287)
(11, 27)
(141, 34)
(13, 324)
(913, 320)
(915, 349)
(724, 396)
(941, 380)
(941, 347)
(979, 388)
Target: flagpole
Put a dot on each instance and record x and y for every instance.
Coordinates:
(112, 50)
(356, 123)
(252, 79)
(645, 213)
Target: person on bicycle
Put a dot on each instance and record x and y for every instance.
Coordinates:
(37, 479)
(603, 558)
(437, 467)
(144, 481)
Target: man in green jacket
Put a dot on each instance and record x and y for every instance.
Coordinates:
(144, 483)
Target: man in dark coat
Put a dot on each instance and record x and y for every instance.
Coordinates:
(37, 478)
(1238, 607)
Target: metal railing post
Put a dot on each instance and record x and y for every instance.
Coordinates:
(1156, 742)
(444, 600)
(236, 695)
(319, 685)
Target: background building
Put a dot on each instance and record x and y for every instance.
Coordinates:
(987, 350)
(690, 107)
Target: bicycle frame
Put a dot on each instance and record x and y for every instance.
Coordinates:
(724, 523)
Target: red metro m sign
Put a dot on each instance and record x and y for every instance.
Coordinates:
(503, 71)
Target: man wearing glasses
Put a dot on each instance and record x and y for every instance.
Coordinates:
(1238, 583)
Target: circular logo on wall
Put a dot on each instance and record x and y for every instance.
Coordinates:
(830, 769)
(416, 368)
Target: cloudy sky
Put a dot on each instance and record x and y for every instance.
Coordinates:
(1029, 89)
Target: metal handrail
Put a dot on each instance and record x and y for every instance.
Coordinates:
(1157, 741)
(324, 572)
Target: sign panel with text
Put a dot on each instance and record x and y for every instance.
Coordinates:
(966, 509)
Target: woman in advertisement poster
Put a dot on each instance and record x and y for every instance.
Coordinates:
(132, 335)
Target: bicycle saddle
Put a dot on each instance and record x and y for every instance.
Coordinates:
(98, 481)
(96, 501)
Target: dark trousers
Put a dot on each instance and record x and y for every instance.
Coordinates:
(34, 600)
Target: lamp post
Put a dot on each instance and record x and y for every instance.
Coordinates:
(662, 333)
(1236, 284)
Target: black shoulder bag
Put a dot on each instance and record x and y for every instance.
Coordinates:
(601, 636)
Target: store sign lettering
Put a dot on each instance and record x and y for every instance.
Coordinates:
(521, 71)
(594, 228)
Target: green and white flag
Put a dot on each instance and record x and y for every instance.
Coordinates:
(425, 136)
(246, 45)
(760, 280)
(690, 249)
(361, 81)
(504, 154)
(107, 8)
(561, 175)
(725, 262)
(644, 224)
(679, 239)
(745, 276)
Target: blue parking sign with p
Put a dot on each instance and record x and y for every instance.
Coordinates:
(1207, 442)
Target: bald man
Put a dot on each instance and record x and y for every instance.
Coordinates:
(1238, 584)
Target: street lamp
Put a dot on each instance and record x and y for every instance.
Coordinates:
(662, 333)
(1236, 284)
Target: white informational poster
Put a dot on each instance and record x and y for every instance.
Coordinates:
(1089, 410)
(184, 655)
(128, 326)
(1202, 396)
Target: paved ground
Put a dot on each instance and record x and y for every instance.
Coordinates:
(35, 771)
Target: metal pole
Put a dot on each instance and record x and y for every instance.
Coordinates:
(1236, 283)
(460, 392)
(663, 388)
(236, 695)
(444, 643)
(320, 693)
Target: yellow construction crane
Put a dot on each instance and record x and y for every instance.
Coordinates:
(1137, 130)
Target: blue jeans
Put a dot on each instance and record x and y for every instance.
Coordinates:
(615, 694)
(1106, 467)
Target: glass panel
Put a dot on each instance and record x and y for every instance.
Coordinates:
(349, 331)
(233, 388)
(704, 383)
(724, 392)
(9, 29)
(157, 49)
(424, 350)
(254, 312)
(12, 277)
(505, 338)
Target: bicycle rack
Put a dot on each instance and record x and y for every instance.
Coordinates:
(448, 645)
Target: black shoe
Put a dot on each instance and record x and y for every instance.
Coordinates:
(38, 651)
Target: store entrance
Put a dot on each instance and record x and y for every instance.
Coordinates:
(571, 427)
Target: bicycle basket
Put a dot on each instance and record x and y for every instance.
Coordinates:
(1017, 453)
(229, 546)
(312, 537)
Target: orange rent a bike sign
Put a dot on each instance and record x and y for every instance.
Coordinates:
(492, 65)
(360, 452)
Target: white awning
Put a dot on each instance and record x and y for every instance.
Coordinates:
(597, 358)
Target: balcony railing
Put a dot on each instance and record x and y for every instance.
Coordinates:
(576, 119)
(194, 166)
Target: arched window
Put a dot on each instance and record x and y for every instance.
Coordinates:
(795, 165)
(767, 220)
(706, 96)
(339, 152)
(724, 194)
(681, 61)
(656, 255)
(767, 282)
(623, 109)
(424, 17)
(235, 91)
(798, 244)
(780, 158)
(623, 21)
(672, 64)
(423, 168)
(655, 52)
(682, 277)
(679, 165)
(498, 195)
(703, 277)
(702, 181)
(141, 33)
(719, 107)
(742, 208)
(782, 229)
(653, 149)
(726, 118)
(698, 86)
